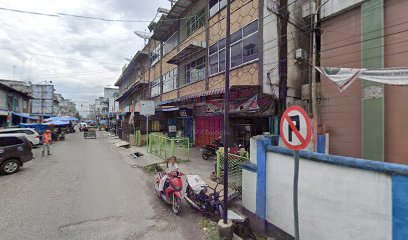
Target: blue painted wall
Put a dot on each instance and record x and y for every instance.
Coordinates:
(399, 207)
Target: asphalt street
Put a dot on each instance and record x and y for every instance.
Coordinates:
(86, 190)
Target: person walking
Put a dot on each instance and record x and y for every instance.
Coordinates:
(46, 140)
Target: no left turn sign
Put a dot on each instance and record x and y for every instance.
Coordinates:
(295, 128)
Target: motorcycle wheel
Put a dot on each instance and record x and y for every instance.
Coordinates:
(205, 155)
(176, 205)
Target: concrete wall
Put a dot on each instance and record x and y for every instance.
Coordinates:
(340, 198)
(334, 202)
(333, 7)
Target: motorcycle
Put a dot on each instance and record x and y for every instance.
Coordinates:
(197, 196)
(211, 150)
(171, 191)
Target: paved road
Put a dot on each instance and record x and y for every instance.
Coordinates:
(86, 190)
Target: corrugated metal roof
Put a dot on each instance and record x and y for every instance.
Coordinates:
(164, 27)
(186, 52)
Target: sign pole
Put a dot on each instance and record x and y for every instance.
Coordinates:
(295, 194)
(296, 133)
(147, 132)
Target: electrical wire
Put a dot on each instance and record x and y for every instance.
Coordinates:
(49, 56)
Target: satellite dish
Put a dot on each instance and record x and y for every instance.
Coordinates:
(144, 35)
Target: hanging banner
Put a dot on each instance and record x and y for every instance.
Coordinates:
(344, 77)
(256, 104)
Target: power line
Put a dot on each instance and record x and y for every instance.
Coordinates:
(57, 15)
(70, 59)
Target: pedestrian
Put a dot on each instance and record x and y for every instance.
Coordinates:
(46, 140)
(172, 167)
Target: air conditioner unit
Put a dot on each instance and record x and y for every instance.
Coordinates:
(300, 54)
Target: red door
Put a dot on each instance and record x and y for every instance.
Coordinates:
(208, 129)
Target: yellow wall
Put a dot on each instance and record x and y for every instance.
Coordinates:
(243, 12)
(192, 88)
(246, 75)
(167, 67)
(169, 95)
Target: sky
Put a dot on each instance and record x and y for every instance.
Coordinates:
(80, 56)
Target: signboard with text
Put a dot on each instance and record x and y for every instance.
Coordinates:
(147, 108)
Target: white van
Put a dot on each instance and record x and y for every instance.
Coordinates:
(32, 136)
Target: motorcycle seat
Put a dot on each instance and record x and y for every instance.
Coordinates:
(196, 183)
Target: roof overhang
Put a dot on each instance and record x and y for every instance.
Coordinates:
(136, 59)
(135, 87)
(183, 54)
(165, 26)
(179, 8)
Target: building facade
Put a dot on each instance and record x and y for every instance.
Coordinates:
(182, 69)
(14, 106)
(366, 120)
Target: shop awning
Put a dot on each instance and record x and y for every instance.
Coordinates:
(25, 115)
(170, 109)
(191, 96)
(203, 94)
(186, 52)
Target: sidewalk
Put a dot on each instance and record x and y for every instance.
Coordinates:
(196, 165)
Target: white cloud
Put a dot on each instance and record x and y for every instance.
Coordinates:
(101, 46)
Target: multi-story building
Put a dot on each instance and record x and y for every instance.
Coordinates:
(110, 94)
(67, 108)
(42, 103)
(366, 120)
(182, 69)
(14, 106)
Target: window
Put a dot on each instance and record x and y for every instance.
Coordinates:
(154, 87)
(196, 22)
(245, 44)
(244, 48)
(171, 43)
(155, 56)
(195, 70)
(216, 5)
(9, 141)
(217, 57)
(170, 80)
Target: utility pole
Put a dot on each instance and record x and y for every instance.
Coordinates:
(314, 18)
(226, 108)
(225, 226)
(283, 53)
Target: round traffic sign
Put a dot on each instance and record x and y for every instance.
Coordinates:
(296, 128)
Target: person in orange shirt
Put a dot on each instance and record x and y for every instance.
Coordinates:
(46, 140)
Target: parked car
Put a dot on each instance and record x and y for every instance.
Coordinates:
(29, 133)
(15, 150)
